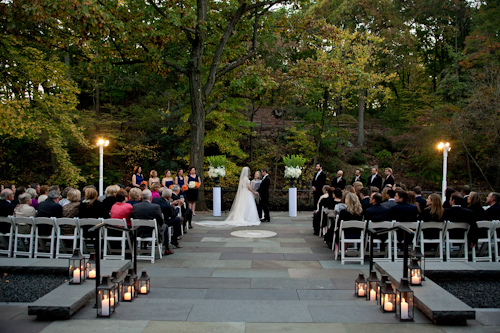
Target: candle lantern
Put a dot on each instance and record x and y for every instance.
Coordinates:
(405, 306)
(91, 269)
(417, 254)
(144, 283)
(360, 286)
(134, 277)
(106, 293)
(371, 286)
(387, 298)
(415, 273)
(115, 278)
(129, 291)
(77, 268)
(381, 286)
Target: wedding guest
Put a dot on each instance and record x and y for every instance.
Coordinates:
(154, 190)
(180, 179)
(323, 202)
(6, 207)
(357, 177)
(353, 211)
(474, 204)
(121, 209)
(153, 178)
(412, 199)
(357, 187)
(72, 208)
(187, 214)
(456, 213)
(374, 189)
(49, 208)
(434, 209)
(20, 190)
(55, 188)
(137, 177)
(170, 212)
(492, 213)
(110, 199)
(64, 194)
(318, 182)
(36, 187)
(23, 209)
(91, 207)
(34, 201)
(364, 196)
(385, 196)
(144, 185)
(465, 194)
(418, 196)
(134, 196)
(403, 211)
(391, 202)
(389, 179)
(324, 196)
(448, 192)
(349, 188)
(339, 181)
(375, 179)
(167, 181)
(192, 193)
(377, 212)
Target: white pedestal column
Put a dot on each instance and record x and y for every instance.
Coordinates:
(292, 201)
(217, 201)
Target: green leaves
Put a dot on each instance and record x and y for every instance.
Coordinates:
(294, 161)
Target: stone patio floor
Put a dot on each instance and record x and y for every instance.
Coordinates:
(221, 283)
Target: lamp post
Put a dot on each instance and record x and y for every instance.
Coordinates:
(101, 143)
(446, 148)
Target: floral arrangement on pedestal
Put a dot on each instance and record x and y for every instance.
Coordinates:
(217, 167)
(293, 166)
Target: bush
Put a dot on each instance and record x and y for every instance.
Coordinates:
(357, 158)
(384, 158)
(379, 143)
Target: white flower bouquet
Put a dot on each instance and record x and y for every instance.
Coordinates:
(218, 172)
(293, 166)
(192, 184)
(217, 168)
(292, 172)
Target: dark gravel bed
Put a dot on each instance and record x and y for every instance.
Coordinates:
(27, 287)
(474, 293)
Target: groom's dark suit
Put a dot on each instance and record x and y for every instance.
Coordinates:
(264, 196)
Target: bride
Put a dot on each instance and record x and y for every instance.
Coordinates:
(244, 210)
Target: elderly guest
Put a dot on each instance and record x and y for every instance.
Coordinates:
(72, 208)
(24, 209)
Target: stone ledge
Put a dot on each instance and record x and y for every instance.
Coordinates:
(436, 303)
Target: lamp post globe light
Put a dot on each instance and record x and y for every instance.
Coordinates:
(446, 148)
(101, 143)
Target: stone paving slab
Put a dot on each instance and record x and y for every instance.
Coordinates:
(217, 263)
(335, 264)
(299, 273)
(307, 256)
(183, 272)
(250, 311)
(232, 239)
(282, 250)
(223, 249)
(392, 328)
(187, 244)
(274, 264)
(250, 273)
(178, 254)
(294, 327)
(194, 327)
(253, 244)
(344, 284)
(284, 283)
(252, 294)
(252, 256)
(204, 283)
(488, 317)
(177, 293)
(326, 295)
(79, 326)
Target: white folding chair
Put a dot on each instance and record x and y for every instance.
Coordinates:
(63, 236)
(83, 225)
(21, 237)
(496, 239)
(483, 243)
(438, 242)
(40, 240)
(414, 226)
(379, 226)
(461, 241)
(6, 237)
(123, 239)
(358, 242)
(154, 239)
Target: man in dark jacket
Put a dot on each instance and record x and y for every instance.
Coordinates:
(377, 212)
(6, 208)
(420, 200)
(264, 195)
(339, 181)
(170, 212)
(357, 177)
(49, 208)
(456, 213)
(493, 212)
(375, 179)
(318, 182)
(403, 211)
(364, 198)
(187, 214)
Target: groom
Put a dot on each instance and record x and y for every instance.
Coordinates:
(264, 194)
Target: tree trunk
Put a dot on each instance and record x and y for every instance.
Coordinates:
(361, 117)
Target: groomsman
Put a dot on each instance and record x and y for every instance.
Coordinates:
(318, 182)
(339, 181)
(357, 177)
(264, 194)
(389, 179)
(375, 179)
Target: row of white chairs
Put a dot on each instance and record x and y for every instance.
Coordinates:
(446, 239)
(24, 239)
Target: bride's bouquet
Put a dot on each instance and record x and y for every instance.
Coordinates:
(217, 168)
(293, 166)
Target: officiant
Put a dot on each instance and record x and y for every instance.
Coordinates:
(254, 185)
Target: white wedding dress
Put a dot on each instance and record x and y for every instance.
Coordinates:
(244, 209)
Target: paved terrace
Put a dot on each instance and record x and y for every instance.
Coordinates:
(221, 283)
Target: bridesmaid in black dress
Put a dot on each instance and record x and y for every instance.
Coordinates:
(192, 193)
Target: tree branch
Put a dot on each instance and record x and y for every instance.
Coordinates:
(175, 66)
(155, 6)
(215, 104)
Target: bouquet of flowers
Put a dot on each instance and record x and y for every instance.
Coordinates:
(197, 184)
(192, 185)
(293, 166)
(185, 188)
(217, 168)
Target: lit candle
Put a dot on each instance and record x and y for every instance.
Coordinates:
(144, 290)
(373, 295)
(404, 309)
(415, 279)
(92, 274)
(111, 301)
(361, 291)
(76, 275)
(105, 306)
(387, 305)
(82, 272)
(127, 296)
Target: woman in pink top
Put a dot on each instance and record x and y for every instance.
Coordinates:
(154, 191)
(121, 209)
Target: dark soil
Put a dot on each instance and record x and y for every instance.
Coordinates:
(474, 293)
(27, 287)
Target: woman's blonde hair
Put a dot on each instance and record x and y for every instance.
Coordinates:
(134, 194)
(153, 174)
(155, 187)
(74, 195)
(353, 204)
(112, 190)
(436, 205)
(357, 186)
(90, 195)
(385, 196)
(412, 199)
(474, 198)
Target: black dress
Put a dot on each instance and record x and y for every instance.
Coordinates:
(192, 193)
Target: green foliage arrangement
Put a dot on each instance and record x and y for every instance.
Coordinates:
(294, 161)
(217, 161)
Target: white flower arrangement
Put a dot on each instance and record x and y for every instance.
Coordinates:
(192, 184)
(218, 172)
(293, 172)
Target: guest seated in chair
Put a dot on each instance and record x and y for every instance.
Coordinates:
(170, 212)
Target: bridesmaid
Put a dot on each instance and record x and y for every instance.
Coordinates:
(153, 178)
(137, 177)
(167, 181)
(192, 193)
(180, 179)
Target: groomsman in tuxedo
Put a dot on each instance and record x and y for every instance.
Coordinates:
(357, 177)
(264, 194)
(339, 181)
(375, 179)
(389, 179)
(318, 182)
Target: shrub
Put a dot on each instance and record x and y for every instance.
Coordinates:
(357, 158)
(384, 158)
